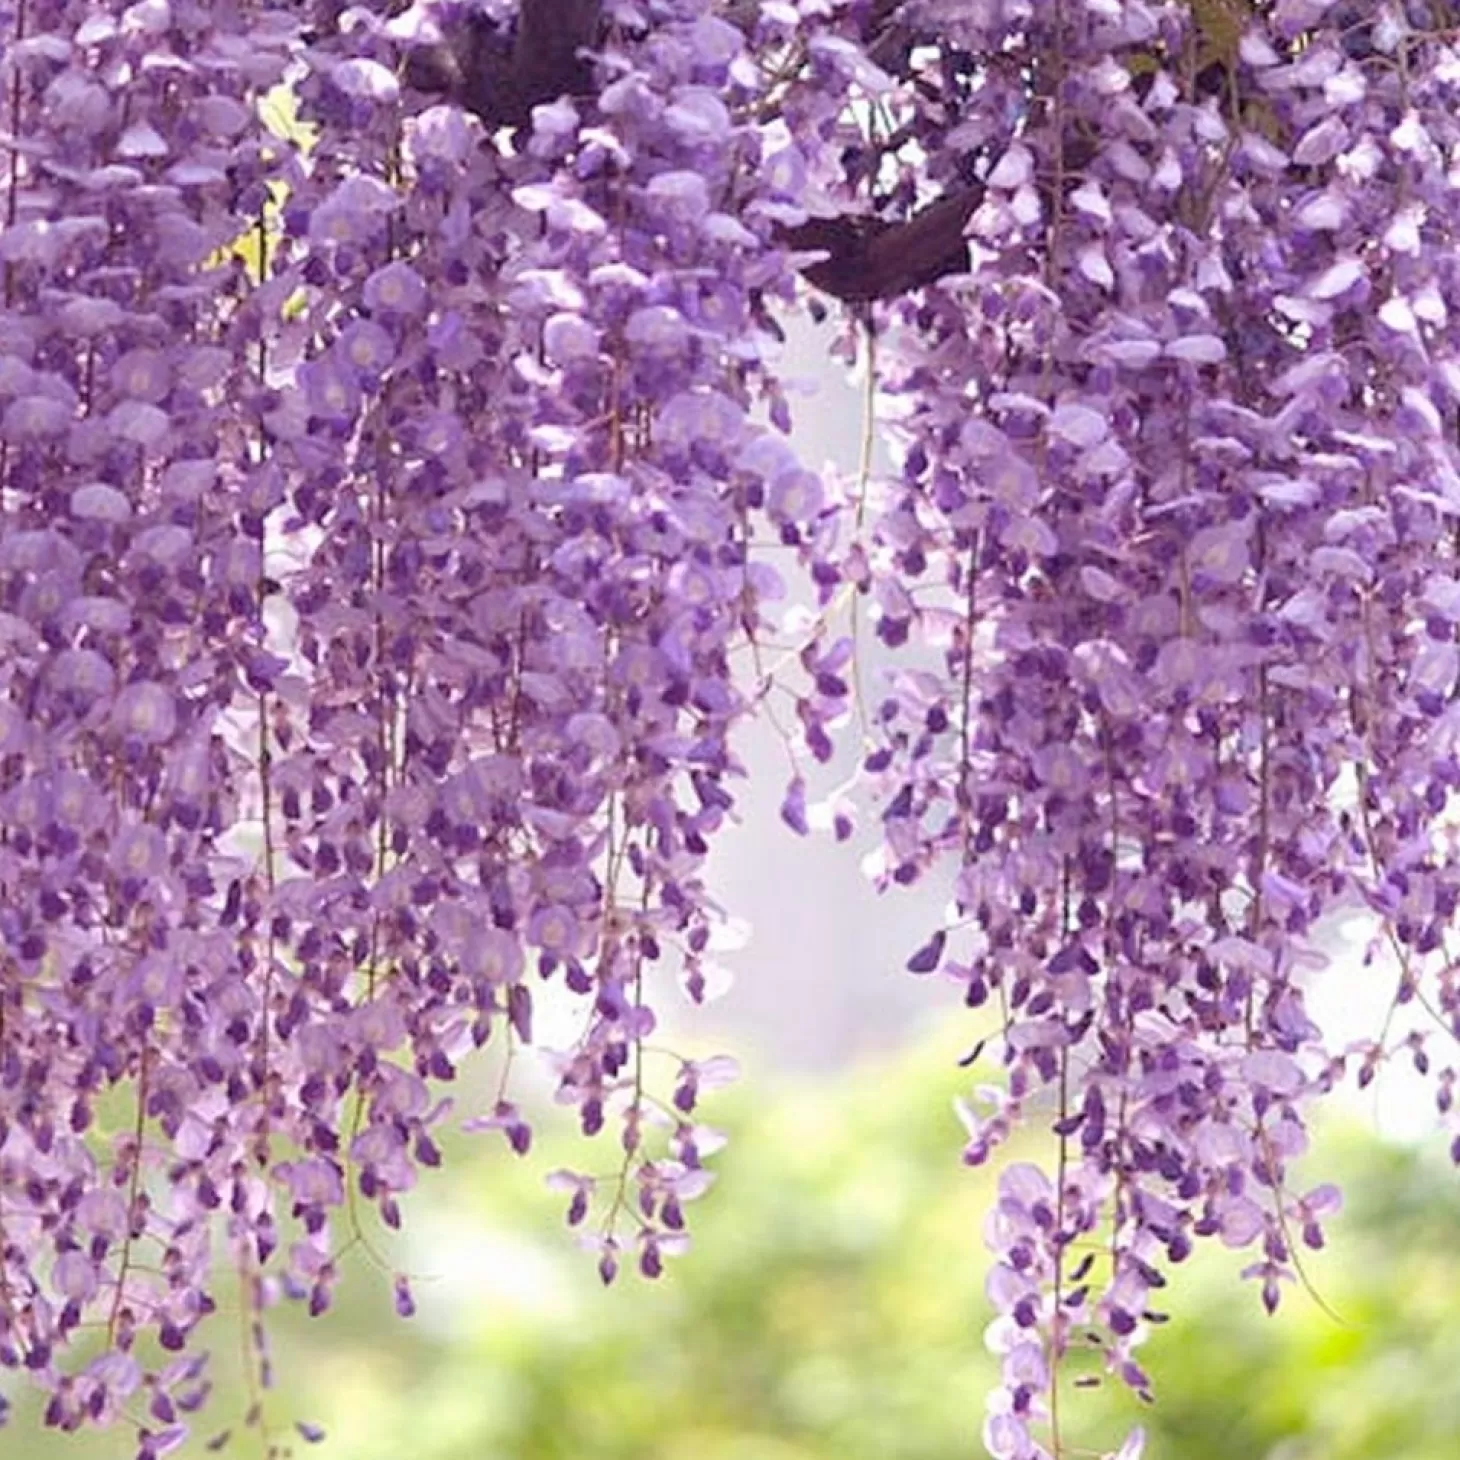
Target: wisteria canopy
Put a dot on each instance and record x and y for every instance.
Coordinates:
(398, 518)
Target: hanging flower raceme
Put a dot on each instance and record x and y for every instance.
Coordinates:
(130, 599)
(1176, 511)
(522, 463)
(379, 499)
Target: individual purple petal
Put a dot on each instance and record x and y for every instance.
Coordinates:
(396, 289)
(141, 374)
(147, 712)
(35, 417)
(554, 929)
(139, 852)
(367, 79)
(367, 349)
(353, 211)
(139, 422)
(331, 391)
(101, 502)
(928, 957)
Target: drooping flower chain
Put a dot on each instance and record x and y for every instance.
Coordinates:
(378, 521)
(1176, 516)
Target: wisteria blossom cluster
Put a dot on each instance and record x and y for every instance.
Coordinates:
(396, 504)
(1178, 510)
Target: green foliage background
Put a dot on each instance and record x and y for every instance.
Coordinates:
(832, 1309)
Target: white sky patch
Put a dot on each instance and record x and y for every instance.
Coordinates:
(1350, 1003)
(462, 1268)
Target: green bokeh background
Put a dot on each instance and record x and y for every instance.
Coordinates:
(832, 1308)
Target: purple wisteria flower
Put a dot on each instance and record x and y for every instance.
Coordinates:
(374, 555)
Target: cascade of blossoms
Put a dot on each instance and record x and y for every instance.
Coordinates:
(386, 506)
(1176, 516)
(379, 497)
